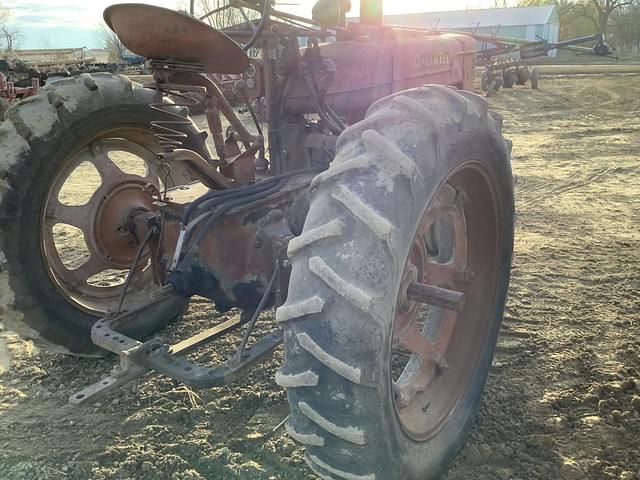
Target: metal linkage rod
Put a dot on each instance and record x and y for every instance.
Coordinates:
(245, 338)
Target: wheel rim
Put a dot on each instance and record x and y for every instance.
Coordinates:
(83, 235)
(436, 349)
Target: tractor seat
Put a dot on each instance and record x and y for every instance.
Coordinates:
(155, 32)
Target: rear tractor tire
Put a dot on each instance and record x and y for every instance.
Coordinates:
(383, 378)
(73, 157)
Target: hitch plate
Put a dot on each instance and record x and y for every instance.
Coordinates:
(137, 358)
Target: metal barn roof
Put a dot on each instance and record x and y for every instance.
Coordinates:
(489, 17)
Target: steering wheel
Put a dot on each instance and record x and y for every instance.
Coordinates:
(227, 14)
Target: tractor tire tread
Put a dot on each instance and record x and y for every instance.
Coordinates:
(366, 154)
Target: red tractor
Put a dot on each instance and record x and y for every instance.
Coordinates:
(375, 212)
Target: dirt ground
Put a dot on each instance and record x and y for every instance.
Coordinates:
(563, 397)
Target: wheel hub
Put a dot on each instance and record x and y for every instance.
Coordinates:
(112, 237)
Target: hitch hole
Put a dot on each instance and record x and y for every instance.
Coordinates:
(98, 326)
(107, 334)
(106, 382)
(116, 338)
(187, 369)
(80, 396)
(121, 341)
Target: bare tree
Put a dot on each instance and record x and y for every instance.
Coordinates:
(110, 42)
(600, 11)
(625, 28)
(9, 36)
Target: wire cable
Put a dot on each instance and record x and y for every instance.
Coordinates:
(134, 265)
(267, 291)
(224, 195)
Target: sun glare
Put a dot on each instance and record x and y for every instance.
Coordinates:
(396, 6)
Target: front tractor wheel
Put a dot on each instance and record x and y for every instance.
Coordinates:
(398, 285)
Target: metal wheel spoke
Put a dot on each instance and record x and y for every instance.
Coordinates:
(90, 268)
(447, 205)
(77, 278)
(105, 166)
(75, 215)
(417, 375)
(413, 340)
(443, 204)
(447, 195)
(436, 296)
(110, 173)
(434, 214)
(405, 391)
(445, 332)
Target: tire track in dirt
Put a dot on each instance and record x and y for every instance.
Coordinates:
(614, 96)
(596, 132)
(528, 196)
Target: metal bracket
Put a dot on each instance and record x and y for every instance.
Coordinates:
(159, 357)
(139, 358)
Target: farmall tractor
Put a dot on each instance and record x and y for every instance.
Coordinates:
(374, 211)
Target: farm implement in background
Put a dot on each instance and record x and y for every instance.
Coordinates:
(18, 81)
(9, 91)
(500, 73)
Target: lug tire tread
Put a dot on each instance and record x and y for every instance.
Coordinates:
(371, 157)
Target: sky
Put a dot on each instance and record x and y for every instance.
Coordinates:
(73, 23)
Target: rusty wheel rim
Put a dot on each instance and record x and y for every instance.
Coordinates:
(86, 244)
(446, 301)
